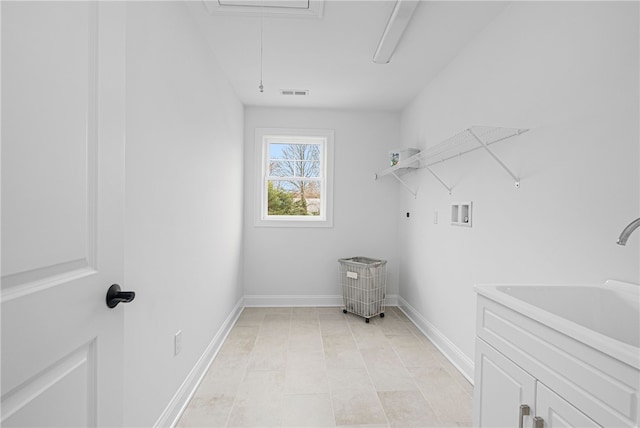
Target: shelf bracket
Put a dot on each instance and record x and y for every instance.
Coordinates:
(414, 193)
(484, 145)
(438, 178)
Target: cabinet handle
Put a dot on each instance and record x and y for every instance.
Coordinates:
(524, 411)
(538, 422)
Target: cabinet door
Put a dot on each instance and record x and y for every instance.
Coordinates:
(558, 413)
(500, 388)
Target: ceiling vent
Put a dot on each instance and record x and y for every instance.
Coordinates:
(294, 92)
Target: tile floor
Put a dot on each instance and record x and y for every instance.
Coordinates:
(318, 367)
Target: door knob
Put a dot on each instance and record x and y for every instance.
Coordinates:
(115, 296)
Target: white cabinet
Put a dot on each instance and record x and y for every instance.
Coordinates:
(501, 388)
(564, 382)
(507, 396)
(558, 413)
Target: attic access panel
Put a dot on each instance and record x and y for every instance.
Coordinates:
(293, 4)
(279, 8)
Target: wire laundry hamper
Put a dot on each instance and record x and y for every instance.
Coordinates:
(363, 282)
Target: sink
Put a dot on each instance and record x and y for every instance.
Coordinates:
(606, 310)
(606, 317)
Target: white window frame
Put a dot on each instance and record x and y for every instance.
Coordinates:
(262, 137)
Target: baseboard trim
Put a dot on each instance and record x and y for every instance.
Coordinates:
(172, 413)
(255, 300)
(458, 358)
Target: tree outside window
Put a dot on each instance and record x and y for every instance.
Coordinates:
(294, 175)
(294, 185)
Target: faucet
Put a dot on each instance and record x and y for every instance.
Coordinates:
(622, 240)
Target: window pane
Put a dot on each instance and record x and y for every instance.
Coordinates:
(297, 198)
(294, 160)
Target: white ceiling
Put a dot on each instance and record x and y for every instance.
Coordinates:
(331, 56)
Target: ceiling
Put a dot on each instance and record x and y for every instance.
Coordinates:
(331, 55)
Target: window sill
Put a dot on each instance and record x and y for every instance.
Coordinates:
(273, 222)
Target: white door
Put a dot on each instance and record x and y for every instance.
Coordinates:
(501, 388)
(62, 212)
(557, 412)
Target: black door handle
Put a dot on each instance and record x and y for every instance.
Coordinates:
(115, 296)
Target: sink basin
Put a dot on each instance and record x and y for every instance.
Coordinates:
(606, 317)
(606, 310)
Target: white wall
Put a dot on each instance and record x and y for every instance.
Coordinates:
(569, 72)
(303, 262)
(184, 188)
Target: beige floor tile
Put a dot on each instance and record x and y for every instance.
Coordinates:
(266, 341)
(394, 327)
(305, 325)
(351, 379)
(305, 360)
(280, 319)
(329, 309)
(459, 378)
(221, 380)
(207, 411)
(300, 313)
(306, 381)
(250, 320)
(363, 426)
(453, 410)
(239, 347)
(435, 382)
(278, 310)
(344, 360)
(300, 367)
(339, 342)
(408, 409)
(392, 380)
(274, 331)
(256, 412)
(242, 332)
(334, 327)
(352, 407)
(231, 359)
(381, 359)
(268, 359)
(403, 341)
(341, 352)
(420, 356)
(360, 328)
(310, 342)
(331, 314)
(372, 343)
(307, 410)
(261, 384)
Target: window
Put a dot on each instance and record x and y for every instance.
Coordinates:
(294, 177)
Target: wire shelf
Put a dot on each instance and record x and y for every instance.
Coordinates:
(473, 138)
(465, 142)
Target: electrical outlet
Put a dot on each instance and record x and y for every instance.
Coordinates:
(177, 343)
(435, 217)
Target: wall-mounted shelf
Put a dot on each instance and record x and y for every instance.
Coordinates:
(473, 138)
(402, 167)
